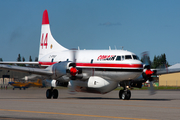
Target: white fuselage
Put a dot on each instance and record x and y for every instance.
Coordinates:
(102, 63)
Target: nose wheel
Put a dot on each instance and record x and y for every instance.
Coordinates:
(125, 94)
(52, 93)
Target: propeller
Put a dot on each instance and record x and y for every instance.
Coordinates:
(147, 74)
(73, 72)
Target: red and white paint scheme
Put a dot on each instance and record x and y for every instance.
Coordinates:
(101, 70)
(96, 71)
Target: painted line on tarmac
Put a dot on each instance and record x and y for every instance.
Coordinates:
(71, 114)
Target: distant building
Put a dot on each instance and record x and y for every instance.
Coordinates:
(172, 79)
(10, 76)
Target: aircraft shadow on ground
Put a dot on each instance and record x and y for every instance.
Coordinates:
(21, 98)
(93, 98)
(97, 98)
(133, 99)
(148, 99)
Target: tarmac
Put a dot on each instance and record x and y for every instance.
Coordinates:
(31, 104)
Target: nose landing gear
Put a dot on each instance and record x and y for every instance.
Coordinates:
(125, 94)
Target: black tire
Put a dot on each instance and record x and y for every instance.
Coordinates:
(55, 94)
(126, 95)
(120, 94)
(48, 94)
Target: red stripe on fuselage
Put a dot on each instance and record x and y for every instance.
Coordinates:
(99, 65)
(106, 65)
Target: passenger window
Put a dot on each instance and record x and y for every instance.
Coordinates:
(127, 57)
(118, 58)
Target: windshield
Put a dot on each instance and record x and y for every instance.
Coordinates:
(127, 57)
(135, 57)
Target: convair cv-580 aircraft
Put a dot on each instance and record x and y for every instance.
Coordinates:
(95, 71)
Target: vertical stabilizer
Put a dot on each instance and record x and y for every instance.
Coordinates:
(47, 43)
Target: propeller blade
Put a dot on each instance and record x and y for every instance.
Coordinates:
(152, 90)
(73, 70)
(74, 52)
(145, 58)
(72, 87)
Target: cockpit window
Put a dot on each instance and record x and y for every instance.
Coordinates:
(135, 57)
(127, 57)
(118, 58)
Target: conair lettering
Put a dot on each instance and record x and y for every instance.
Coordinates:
(106, 57)
(44, 42)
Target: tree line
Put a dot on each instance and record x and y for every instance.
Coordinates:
(158, 61)
(19, 59)
(22, 59)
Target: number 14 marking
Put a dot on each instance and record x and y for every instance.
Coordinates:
(44, 42)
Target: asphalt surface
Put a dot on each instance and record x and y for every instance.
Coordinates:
(31, 104)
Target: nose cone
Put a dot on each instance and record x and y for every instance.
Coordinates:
(136, 63)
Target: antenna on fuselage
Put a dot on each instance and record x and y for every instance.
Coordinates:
(122, 47)
(109, 47)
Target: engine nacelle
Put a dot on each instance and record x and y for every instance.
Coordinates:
(94, 84)
(101, 85)
(97, 82)
(59, 69)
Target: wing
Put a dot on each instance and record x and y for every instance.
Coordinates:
(38, 71)
(167, 71)
(14, 62)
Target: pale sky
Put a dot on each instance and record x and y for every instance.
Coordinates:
(137, 25)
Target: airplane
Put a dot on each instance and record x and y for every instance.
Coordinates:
(94, 71)
(25, 85)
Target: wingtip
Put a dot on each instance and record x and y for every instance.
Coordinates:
(45, 19)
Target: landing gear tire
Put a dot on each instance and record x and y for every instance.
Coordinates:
(126, 95)
(120, 94)
(55, 94)
(48, 94)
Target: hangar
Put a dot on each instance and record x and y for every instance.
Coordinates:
(172, 79)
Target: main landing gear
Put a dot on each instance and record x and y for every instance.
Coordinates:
(124, 94)
(52, 93)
